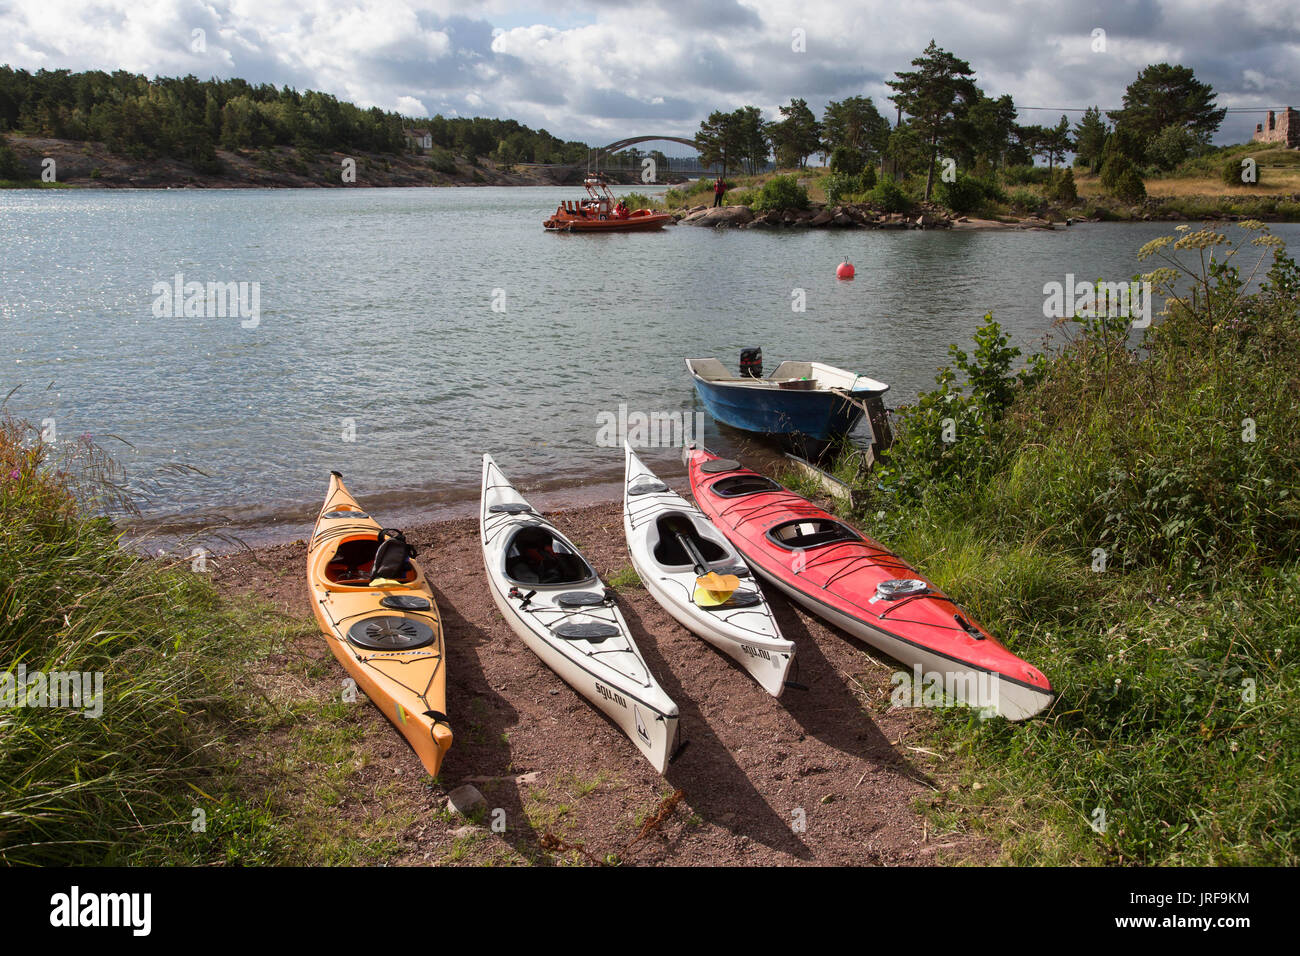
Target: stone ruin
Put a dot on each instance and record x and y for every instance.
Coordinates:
(1281, 128)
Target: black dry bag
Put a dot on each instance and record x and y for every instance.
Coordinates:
(393, 557)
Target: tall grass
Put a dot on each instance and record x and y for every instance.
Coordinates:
(1123, 515)
(123, 786)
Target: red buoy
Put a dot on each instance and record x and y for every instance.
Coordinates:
(844, 270)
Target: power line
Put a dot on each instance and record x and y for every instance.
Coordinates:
(1115, 109)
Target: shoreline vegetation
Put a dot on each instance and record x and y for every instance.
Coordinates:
(1126, 517)
(1125, 514)
(955, 157)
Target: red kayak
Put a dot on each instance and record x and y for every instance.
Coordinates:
(865, 589)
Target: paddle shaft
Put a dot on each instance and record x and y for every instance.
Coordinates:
(693, 553)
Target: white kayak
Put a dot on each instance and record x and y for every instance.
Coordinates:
(742, 626)
(561, 609)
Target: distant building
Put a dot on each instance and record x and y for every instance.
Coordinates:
(423, 139)
(1284, 128)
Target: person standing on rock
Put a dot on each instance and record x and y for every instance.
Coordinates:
(719, 187)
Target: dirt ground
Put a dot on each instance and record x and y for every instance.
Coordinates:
(825, 776)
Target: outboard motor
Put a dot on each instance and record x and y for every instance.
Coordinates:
(751, 363)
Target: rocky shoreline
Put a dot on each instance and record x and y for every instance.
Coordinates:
(852, 216)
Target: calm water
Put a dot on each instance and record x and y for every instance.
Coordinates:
(378, 323)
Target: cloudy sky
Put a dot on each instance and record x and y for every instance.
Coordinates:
(599, 70)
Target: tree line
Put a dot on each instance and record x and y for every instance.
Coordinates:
(188, 118)
(940, 112)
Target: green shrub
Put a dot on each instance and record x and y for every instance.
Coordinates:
(847, 161)
(888, 196)
(839, 186)
(10, 167)
(1129, 187)
(1171, 147)
(951, 433)
(967, 193)
(442, 161)
(1234, 171)
(1024, 199)
(1061, 187)
(206, 162)
(781, 193)
(1025, 175)
(1120, 177)
(635, 201)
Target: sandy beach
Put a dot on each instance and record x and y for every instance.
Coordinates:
(826, 775)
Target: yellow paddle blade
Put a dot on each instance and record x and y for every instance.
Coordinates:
(714, 589)
(706, 598)
(718, 582)
(385, 583)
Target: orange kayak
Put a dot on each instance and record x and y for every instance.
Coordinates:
(386, 632)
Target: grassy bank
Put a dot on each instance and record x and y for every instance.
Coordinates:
(1195, 190)
(1125, 517)
(151, 777)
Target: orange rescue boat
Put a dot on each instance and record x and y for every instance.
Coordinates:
(602, 212)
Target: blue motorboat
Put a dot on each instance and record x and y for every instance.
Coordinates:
(806, 401)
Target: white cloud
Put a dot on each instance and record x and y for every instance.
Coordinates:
(591, 68)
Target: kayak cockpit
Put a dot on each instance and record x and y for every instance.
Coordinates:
(353, 560)
(737, 486)
(668, 549)
(536, 555)
(804, 533)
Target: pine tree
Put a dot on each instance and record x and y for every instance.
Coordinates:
(935, 96)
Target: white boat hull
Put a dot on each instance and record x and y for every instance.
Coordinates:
(610, 671)
(983, 689)
(748, 635)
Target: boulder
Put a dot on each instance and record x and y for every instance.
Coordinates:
(724, 217)
(822, 218)
(841, 219)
